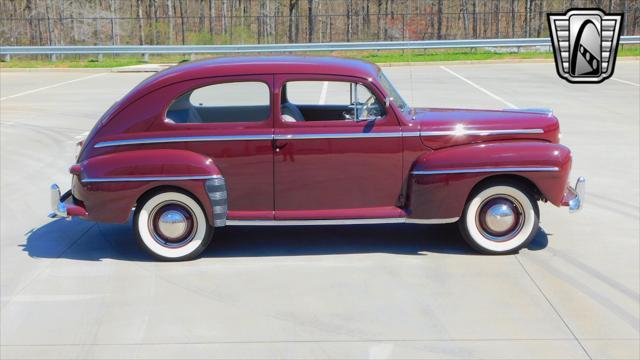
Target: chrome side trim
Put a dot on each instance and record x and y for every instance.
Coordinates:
(411, 134)
(181, 139)
(151, 178)
(314, 136)
(433, 221)
(339, 221)
(464, 132)
(545, 111)
(337, 136)
(484, 170)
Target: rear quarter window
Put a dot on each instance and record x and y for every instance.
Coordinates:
(246, 101)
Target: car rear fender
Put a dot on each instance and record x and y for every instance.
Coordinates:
(110, 185)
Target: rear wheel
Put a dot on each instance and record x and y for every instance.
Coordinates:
(171, 226)
(500, 218)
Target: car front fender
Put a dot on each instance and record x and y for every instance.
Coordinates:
(441, 181)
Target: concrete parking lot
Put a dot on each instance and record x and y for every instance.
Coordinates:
(77, 289)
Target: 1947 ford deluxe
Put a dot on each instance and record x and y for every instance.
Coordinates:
(310, 140)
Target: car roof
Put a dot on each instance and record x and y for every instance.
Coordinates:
(279, 65)
(230, 66)
(248, 65)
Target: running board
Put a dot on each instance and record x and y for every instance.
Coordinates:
(340, 221)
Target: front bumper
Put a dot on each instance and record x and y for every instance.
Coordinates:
(574, 196)
(63, 206)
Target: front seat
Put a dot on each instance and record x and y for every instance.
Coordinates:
(290, 112)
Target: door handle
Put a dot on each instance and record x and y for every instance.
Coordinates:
(276, 146)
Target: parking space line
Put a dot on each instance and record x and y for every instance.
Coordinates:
(323, 93)
(478, 87)
(51, 86)
(566, 325)
(626, 82)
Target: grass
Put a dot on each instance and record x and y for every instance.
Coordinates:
(110, 61)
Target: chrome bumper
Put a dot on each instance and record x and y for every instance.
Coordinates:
(576, 203)
(58, 207)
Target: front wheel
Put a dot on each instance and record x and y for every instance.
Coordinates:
(500, 218)
(171, 226)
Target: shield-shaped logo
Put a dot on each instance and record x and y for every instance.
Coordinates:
(585, 43)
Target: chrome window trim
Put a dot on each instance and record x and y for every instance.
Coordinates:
(464, 132)
(181, 139)
(314, 136)
(484, 170)
(339, 221)
(150, 178)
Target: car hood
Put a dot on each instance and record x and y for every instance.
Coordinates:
(449, 127)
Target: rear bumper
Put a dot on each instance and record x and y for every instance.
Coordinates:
(63, 206)
(574, 196)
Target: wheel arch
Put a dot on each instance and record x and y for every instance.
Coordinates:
(521, 180)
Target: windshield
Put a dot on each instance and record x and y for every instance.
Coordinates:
(393, 93)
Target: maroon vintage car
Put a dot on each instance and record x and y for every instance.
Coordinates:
(310, 140)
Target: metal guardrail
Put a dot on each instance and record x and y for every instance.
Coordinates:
(7, 51)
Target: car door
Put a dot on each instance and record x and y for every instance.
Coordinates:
(326, 164)
(230, 120)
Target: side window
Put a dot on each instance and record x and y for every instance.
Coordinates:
(246, 101)
(328, 101)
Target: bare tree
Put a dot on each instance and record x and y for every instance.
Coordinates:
(440, 19)
(181, 2)
(309, 21)
(212, 16)
(140, 21)
(349, 19)
(465, 18)
(293, 20)
(514, 5)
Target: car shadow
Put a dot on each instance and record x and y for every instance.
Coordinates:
(88, 241)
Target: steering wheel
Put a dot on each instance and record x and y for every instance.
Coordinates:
(363, 108)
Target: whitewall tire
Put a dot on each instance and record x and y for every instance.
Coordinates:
(500, 218)
(171, 226)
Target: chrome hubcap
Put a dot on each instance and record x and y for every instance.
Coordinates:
(500, 218)
(172, 224)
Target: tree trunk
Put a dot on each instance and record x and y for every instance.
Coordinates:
(50, 36)
(540, 20)
(475, 19)
(440, 4)
(181, 2)
(225, 6)
(212, 17)
(171, 19)
(514, 5)
(201, 19)
(310, 21)
(293, 21)
(497, 20)
(349, 19)
(465, 18)
(527, 20)
(140, 22)
(154, 11)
